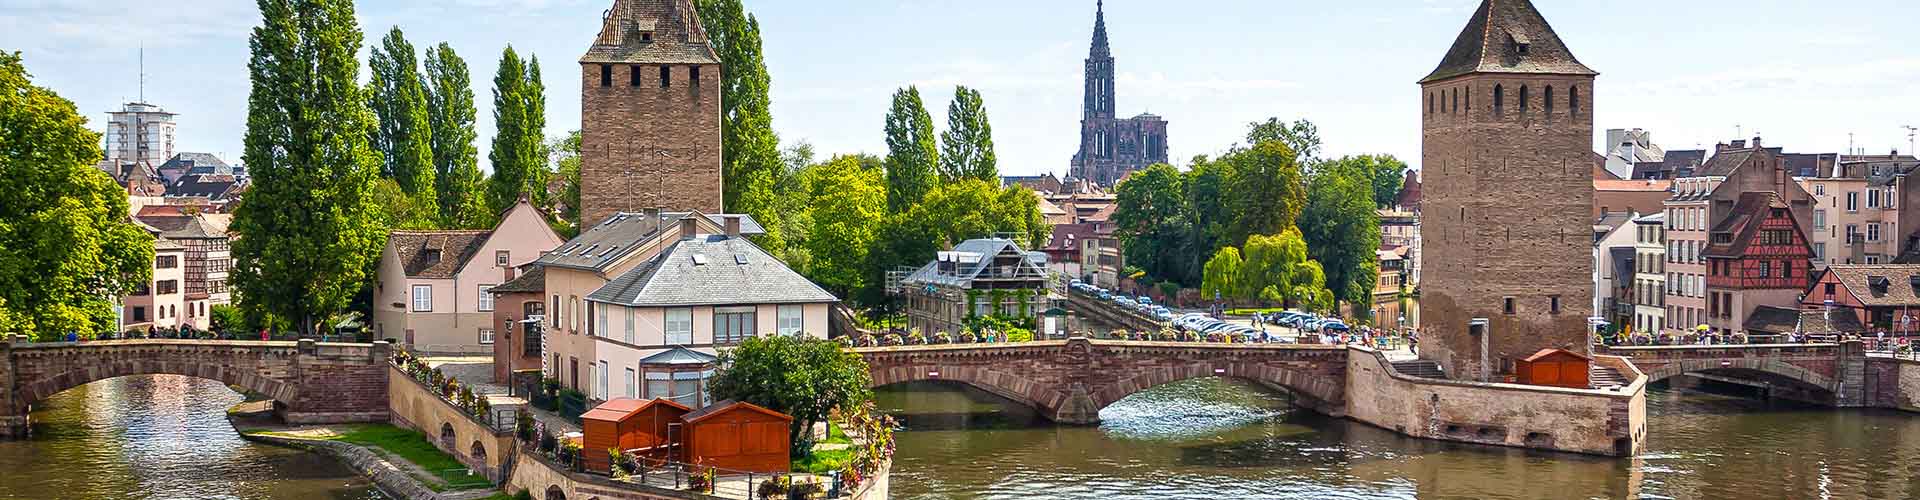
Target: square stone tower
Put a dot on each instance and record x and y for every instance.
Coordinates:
(649, 113)
(1506, 154)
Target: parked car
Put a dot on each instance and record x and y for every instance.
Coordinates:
(1123, 301)
(1104, 295)
(1333, 325)
(1162, 315)
(1145, 300)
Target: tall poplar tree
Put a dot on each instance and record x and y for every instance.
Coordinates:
(457, 182)
(519, 154)
(308, 232)
(66, 246)
(403, 137)
(911, 154)
(966, 147)
(749, 150)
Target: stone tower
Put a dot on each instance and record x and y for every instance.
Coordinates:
(649, 113)
(1506, 154)
(1112, 147)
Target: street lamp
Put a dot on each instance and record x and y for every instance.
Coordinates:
(506, 328)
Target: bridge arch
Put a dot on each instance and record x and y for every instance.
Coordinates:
(44, 387)
(1318, 393)
(1000, 383)
(1763, 365)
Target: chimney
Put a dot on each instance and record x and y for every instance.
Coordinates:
(1739, 144)
(733, 226)
(652, 216)
(689, 227)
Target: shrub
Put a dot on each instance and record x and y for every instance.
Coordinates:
(967, 337)
(1019, 335)
(915, 338)
(773, 487)
(940, 338)
(1117, 334)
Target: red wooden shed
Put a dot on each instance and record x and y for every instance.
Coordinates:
(739, 436)
(1554, 367)
(646, 427)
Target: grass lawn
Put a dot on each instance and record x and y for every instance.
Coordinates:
(824, 461)
(410, 446)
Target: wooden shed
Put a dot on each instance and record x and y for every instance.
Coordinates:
(1554, 367)
(739, 436)
(647, 427)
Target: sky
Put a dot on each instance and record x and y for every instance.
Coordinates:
(1803, 75)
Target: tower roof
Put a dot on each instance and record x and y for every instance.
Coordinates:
(1507, 36)
(651, 32)
(1099, 49)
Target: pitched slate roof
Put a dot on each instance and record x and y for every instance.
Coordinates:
(197, 163)
(1743, 222)
(1492, 40)
(679, 355)
(197, 226)
(620, 233)
(651, 32)
(710, 270)
(436, 254)
(974, 256)
(1859, 278)
(212, 186)
(532, 280)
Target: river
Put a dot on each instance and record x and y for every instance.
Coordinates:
(1222, 439)
(159, 437)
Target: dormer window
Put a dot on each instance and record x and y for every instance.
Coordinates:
(431, 255)
(1519, 42)
(646, 36)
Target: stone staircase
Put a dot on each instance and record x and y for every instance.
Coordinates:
(1419, 368)
(1601, 377)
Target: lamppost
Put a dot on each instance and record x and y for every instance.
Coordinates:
(506, 327)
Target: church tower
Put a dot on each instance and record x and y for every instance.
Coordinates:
(649, 113)
(1506, 148)
(1111, 147)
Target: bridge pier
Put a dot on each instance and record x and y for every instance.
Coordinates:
(1078, 409)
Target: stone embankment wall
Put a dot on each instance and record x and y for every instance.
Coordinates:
(1596, 422)
(416, 407)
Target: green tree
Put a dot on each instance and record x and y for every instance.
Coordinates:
(404, 135)
(967, 145)
(458, 185)
(1300, 136)
(1342, 229)
(1150, 219)
(1222, 278)
(1388, 173)
(749, 149)
(519, 154)
(804, 377)
(1209, 213)
(308, 231)
(1280, 262)
(566, 160)
(848, 205)
(398, 210)
(911, 154)
(1266, 191)
(66, 246)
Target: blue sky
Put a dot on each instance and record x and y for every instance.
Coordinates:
(1802, 74)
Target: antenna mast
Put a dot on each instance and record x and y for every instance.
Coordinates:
(1910, 142)
(143, 73)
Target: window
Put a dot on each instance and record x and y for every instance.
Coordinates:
(573, 312)
(139, 313)
(166, 287)
(679, 328)
(792, 320)
(1766, 269)
(1507, 306)
(1819, 190)
(486, 335)
(1873, 231)
(502, 258)
(666, 77)
(629, 335)
(600, 380)
(1819, 219)
(166, 262)
(1573, 99)
(1523, 99)
(486, 298)
(606, 75)
(1547, 98)
(599, 327)
(140, 289)
(422, 298)
(1829, 287)
(1553, 304)
(633, 75)
(1820, 250)
(1853, 201)
(732, 324)
(632, 390)
(693, 76)
(1499, 100)
(554, 321)
(1429, 103)
(1873, 198)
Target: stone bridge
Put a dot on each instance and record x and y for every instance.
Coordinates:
(1069, 381)
(1837, 371)
(310, 382)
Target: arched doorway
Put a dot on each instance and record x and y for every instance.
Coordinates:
(446, 435)
(479, 452)
(554, 493)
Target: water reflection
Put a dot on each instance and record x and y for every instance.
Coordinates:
(1219, 438)
(159, 437)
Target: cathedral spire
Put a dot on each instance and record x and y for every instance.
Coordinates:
(1099, 31)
